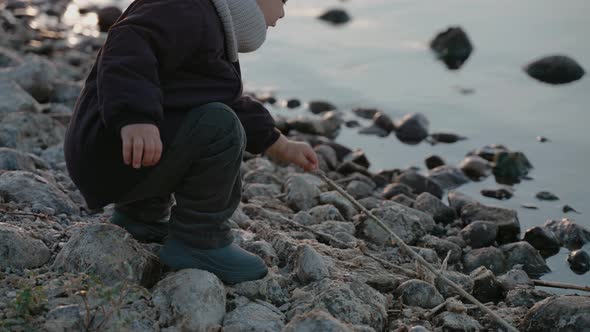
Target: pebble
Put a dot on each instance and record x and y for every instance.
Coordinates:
(546, 196)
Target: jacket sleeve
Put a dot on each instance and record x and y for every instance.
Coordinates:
(128, 64)
(258, 124)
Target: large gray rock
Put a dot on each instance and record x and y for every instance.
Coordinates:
(309, 265)
(409, 224)
(92, 249)
(457, 200)
(14, 160)
(325, 212)
(505, 219)
(301, 195)
(36, 75)
(412, 128)
(419, 183)
(515, 278)
(254, 316)
(448, 177)
(359, 189)
(419, 293)
(463, 280)
(29, 188)
(342, 204)
(273, 288)
(316, 320)
(27, 131)
(479, 234)
(490, 257)
(353, 303)
(525, 296)
(190, 300)
(486, 287)
(559, 313)
(431, 205)
(14, 99)
(542, 239)
(19, 250)
(452, 321)
(523, 253)
(571, 235)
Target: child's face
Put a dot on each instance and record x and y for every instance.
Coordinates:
(273, 10)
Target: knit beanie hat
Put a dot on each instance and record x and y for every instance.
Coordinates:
(244, 25)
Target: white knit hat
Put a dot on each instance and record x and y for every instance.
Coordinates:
(244, 25)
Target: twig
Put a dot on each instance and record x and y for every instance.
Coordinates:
(556, 284)
(346, 245)
(416, 256)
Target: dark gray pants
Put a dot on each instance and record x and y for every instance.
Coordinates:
(201, 168)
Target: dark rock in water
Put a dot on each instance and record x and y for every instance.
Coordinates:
(558, 313)
(529, 206)
(555, 69)
(350, 167)
(335, 16)
(542, 139)
(317, 106)
(525, 296)
(546, 196)
(523, 253)
(374, 130)
(390, 174)
(475, 167)
(500, 194)
(403, 200)
(459, 278)
(365, 113)
(479, 234)
(433, 162)
(448, 177)
(488, 152)
(490, 257)
(505, 219)
(542, 239)
(395, 189)
(452, 47)
(419, 183)
(352, 124)
(457, 200)
(486, 287)
(383, 121)
(431, 205)
(510, 167)
(107, 16)
(442, 247)
(446, 137)
(566, 208)
(579, 261)
(412, 128)
(570, 234)
(419, 293)
(293, 103)
(358, 157)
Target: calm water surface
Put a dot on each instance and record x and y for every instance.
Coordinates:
(381, 59)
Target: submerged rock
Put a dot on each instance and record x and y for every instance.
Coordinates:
(546, 196)
(19, 250)
(335, 16)
(452, 46)
(433, 162)
(475, 167)
(318, 106)
(383, 121)
(542, 239)
(555, 69)
(511, 167)
(522, 253)
(500, 194)
(448, 177)
(579, 261)
(571, 235)
(412, 128)
(558, 313)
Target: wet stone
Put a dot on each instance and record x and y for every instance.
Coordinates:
(479, 234)
(358, 157)
(412, 128)
(542, 239)
(489, 257)
(383, 122)
(579, 261)
(335, 16)
(419, 293)
(570, 234)
(546, 196)
(433, 162)
(395, 189)
(500, 194)
(475, 167)
(448, 177)
(525, 296)
(555, 69)
(365, 113)
(431, 205)
(452, 46)
(419, 183)
(510, 167)
(523, 253)
(486, 288)
(319, 106)
(505, 219)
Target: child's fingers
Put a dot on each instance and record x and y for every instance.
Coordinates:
(137, 151)
(127, 146)
(158, 151)
(149, 152)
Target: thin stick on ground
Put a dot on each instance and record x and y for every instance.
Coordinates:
(415, 255)
(563, 285)
(329, 237)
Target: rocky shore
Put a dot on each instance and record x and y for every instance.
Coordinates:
(64, 268)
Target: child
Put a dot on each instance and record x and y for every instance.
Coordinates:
(162, 113)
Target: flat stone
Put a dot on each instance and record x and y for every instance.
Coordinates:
(190, 300)
(407, 223)
(419, 293)
(558, 313)
(91, 249)
(19, 250)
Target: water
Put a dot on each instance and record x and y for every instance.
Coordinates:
(381, 59)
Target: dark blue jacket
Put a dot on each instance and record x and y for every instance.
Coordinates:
(161, 59)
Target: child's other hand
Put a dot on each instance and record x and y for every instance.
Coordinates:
(141, 144)
(298, 153)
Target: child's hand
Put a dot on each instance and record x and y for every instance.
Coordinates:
(141, 144)
(298, 153)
